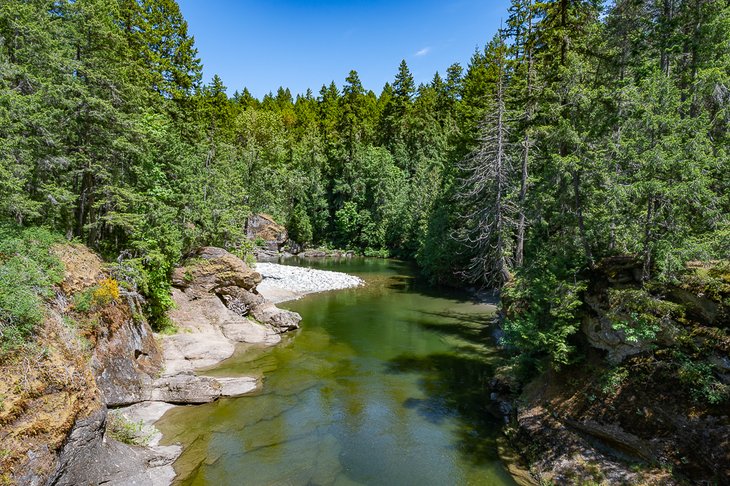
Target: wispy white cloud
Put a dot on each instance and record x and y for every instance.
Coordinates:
(423, 52)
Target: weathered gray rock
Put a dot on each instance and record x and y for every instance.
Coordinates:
(193, 389)
(601, 334)
(243, 330)
(184, 389)
(263, 227)
(89, 457)
(281, 320)
(233, 387)
(125, 361)
(260, 309)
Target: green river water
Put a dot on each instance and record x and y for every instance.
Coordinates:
(384, 384)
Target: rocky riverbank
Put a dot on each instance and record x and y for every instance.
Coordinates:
(647, 408)
(219, 302)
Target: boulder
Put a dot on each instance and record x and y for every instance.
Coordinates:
(313, 254)
(281, 320)
(216, 306)
(210, 268)
(263, 227)
(260, 309)
(89, 457)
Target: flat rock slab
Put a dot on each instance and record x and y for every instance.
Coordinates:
(234, 387)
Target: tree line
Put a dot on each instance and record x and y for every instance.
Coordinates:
(583, 129)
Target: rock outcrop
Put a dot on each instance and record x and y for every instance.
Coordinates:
(216, 306)
(653, 387)
(262, 227)
(90, 457)
(127, 357)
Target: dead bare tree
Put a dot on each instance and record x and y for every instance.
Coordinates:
(484, 189)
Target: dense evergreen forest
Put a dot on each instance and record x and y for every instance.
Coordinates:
(582, 130)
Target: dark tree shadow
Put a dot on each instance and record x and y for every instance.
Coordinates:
(456, 385)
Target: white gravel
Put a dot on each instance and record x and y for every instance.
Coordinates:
(285, 282)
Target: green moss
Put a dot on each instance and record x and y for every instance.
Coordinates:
(710, 279)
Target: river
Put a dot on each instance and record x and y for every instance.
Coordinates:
(384, 384)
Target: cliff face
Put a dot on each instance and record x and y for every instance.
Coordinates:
(649, 402)
(60, 385)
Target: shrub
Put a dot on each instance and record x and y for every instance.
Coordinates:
(380, 253)
(542, 313)
(612, 380)
(104, 293)
(639, 315)
(701, 380)
(124, 430)
(300, 226)
(28, 272)
(84, 301)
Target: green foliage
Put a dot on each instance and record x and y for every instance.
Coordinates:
(543, 312)
(28, 271)
(96, 296)
(612, 380)
(300, 226)
(638, 314)
(705, 387)
(84, 300)
(347, 222)
(382, 253)
(617, 143)
(122, 429)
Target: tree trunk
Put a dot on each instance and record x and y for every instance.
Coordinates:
(522, 221)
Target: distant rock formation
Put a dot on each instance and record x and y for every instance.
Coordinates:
(262, 227)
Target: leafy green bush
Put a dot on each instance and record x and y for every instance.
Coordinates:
(638, 314)
(704, 387)
(542, 313)
(300, 226)
(379, 253)
(84, 301)
(612, 380)
(150, 277)
(28, 272)
(98, 295)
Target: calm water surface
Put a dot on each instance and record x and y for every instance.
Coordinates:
(383, 385)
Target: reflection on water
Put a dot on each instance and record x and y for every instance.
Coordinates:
(385, 384)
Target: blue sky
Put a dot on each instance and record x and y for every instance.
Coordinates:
(266, 44)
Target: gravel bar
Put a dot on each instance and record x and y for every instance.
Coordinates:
(285, 282)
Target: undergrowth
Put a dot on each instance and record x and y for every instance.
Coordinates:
(121, 429)
(28, 272)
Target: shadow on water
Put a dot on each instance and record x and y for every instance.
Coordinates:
(421, 285)
(456, 385)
